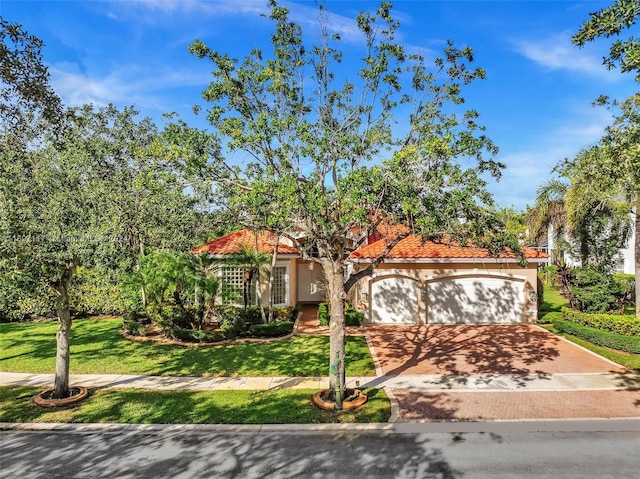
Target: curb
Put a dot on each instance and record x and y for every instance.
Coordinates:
(446, 427)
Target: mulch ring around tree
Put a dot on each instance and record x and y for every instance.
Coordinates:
(76, 394)
(353, 399)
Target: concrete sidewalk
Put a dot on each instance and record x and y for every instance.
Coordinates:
(551, 382)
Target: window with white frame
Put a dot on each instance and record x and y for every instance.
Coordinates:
(233, 286)
(279, 286)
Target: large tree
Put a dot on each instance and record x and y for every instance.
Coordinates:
(621, 163)
(93, 195)
(617, 166)
(332, 150)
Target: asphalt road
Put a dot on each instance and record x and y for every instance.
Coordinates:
(193, 455)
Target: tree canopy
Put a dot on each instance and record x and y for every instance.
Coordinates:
(611, 22)
(331, 151)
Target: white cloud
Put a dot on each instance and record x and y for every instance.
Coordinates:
(125, 85)
(558, 53)
(159, 11)
(529, 166)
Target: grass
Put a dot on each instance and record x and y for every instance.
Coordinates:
(284, 406)
(552, 300)
(97, 347)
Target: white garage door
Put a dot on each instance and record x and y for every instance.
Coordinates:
(394, 300)
(475, 300)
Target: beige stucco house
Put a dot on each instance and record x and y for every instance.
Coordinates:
(418, 282)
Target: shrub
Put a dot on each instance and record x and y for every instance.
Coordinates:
(629, 344)
(133, 328)
(170, 316)
(625, 325)
(285, 313)
(195, 335)
(624, 290)
(252, 315)
(91, 298)
(231, 327)
(279, 328)
(540, 291)
(323, 314)
(22, 300)
(351, 316)
(592, 291)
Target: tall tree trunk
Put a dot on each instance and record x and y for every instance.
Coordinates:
(636, 245)
(61, 381)
(337, 330)
(143, 291)
(274, 259)
(259, 280)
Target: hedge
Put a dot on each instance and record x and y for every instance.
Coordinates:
(351, 316)
(549, 317)
(195, 335)
(629, 344)
(624, 325)
(252, 315)
(270, 330)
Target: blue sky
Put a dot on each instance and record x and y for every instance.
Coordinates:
(535, 102)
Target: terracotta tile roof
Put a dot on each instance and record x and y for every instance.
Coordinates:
(412, 247)
(235, 242)
(386, 229)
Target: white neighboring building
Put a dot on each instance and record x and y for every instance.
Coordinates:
(626, 261)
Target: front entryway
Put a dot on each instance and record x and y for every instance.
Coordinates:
(311, 283)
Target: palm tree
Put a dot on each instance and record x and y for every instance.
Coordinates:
(549, 211)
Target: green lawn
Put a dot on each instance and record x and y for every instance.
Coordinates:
(97, 347)
(285, 406)
(552, 300)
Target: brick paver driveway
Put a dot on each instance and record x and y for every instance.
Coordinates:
(480, 349)
(516, 351)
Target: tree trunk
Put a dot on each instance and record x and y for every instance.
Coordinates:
(636, 245)
(61, 381)
(143, 291)
(274, 259)
(259, 280)
(337, 331)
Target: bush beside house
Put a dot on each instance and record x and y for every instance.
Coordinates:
(351, 316)
(228, 322)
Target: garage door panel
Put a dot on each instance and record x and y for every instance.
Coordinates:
(394, 301)
(475, 300)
